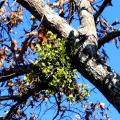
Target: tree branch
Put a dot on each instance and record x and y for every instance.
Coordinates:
(58, 101)
(87, 19)
(12, 109)
(101, 9)
(87, 27)
(107, 38)
(103, 77)
(7, 74)
(14, 97)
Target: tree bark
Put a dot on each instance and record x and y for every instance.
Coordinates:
(101, 75)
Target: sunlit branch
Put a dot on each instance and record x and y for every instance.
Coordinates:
(101, 9)
(87, 23)
(107, 38)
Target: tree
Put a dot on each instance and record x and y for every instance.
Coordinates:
(79, 47)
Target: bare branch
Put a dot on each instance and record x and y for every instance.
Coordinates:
(12, 110)
(14, 97)
(101, 9)
(7, 74)
(58, 101)
(107, 38)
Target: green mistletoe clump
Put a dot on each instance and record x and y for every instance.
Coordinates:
(55, 64)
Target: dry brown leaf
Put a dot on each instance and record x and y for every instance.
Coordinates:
(1, 64)
(42, 33)
(33, 33)
(18, 112)
(85, 107)
(10, 84)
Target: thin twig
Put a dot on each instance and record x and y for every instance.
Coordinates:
(101, 9)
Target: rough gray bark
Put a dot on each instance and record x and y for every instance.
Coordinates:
(101, 75)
